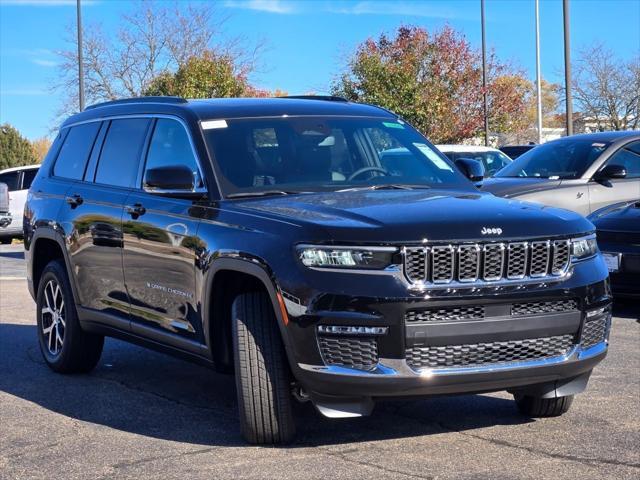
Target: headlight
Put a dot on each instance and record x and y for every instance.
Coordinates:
(582, 248)
(355, 258)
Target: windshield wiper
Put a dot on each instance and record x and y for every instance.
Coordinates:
(262, 193)
(386, 186)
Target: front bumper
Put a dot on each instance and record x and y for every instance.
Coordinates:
(395, 373)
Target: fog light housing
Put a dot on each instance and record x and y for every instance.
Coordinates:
(352, 330)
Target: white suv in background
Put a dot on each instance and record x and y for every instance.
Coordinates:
(492, 159)
(18, 180)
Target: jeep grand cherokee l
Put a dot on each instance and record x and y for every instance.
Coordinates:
(278, 238)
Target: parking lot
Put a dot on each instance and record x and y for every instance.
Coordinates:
(145, 414)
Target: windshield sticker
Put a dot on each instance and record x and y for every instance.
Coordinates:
(393, 125)
(433, 156)
(211, 124)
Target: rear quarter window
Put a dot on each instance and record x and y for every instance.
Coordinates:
(75, 151)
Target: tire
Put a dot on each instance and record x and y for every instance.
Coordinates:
(543, 407)
(262, 374)
(65, 347)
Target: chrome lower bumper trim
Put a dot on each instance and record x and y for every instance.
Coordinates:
(391, 367)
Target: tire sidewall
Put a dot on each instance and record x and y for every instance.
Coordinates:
(54, 271)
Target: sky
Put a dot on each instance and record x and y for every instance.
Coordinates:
(308, 41)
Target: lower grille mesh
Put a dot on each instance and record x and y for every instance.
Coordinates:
(445, 314)
(489, 353)
(537, 308)
(594, 331)
(360, 353)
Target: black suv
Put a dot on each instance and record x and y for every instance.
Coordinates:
(320, 249)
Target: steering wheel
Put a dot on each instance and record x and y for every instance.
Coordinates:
(360, 171)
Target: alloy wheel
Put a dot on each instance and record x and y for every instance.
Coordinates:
(53, 317)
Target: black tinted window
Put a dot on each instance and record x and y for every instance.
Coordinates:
(11, 179)
(118, 164)
(170, 146)
(75, 151)
(629, 158)
(567, 158)
(27, 177)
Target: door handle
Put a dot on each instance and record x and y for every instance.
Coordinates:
(135, 210)
(74, 200)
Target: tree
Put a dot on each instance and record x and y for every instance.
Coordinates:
(207, 76)
(15, 150)
(435, 82)
(40, 147)
(606, 89)
(154, 39)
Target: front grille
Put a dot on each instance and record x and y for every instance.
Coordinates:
(360, 353)
(540, 308)
(594, 331)
(489, 262)
(471, 355)
(445, 314)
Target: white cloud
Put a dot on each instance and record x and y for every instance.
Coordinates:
(382, 7)
(44, 63)
(270, 6)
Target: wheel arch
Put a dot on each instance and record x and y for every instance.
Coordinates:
(227, 277)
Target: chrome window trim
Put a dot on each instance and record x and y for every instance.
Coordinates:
(151, 116)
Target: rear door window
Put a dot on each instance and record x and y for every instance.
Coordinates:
(119, 160)
(75, 151)
(27, 178)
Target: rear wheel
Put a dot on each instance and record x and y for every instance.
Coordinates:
(262, 374)
(543, 407)
(64, 345)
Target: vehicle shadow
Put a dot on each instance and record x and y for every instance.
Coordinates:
(626, 309)
(147, 393)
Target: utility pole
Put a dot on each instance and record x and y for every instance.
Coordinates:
(80, 60)
(484, 77)
(538, 76)
(567, 67)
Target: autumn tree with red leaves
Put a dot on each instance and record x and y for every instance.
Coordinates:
(434, 80)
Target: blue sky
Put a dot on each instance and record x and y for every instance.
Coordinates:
(308, 41)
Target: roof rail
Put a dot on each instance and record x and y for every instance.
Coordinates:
(124, 101)
(329, 98)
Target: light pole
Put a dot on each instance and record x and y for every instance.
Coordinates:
(484, 77)
(80, 61)
(538, 77)
(567, 67)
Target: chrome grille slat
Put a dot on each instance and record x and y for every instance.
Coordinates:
(487, 262)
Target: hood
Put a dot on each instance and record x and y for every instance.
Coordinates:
(511, 187)
(415, 215)
(620, 217)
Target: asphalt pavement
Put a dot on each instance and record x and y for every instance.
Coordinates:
(141, 414)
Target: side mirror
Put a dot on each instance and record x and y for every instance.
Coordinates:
(472, 169)
(611, 171)
(169, 178)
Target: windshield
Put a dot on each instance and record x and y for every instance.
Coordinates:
(310, 154)
(561, 159)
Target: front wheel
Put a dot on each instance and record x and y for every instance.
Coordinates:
(262, 373)
(66, 348)
(543, 407)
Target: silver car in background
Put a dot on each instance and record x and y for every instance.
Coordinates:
(582, 173)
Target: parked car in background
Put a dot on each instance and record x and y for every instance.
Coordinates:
(582, 173)
(5, 215)
(491, 158)
(514, 151)
(618, 234)
(18, 181)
